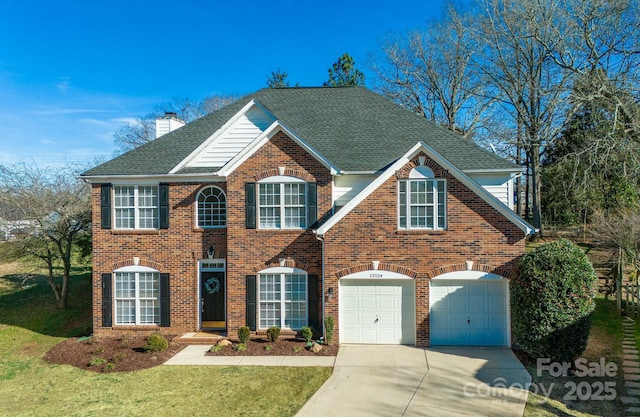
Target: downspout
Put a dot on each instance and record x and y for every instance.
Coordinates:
(321, 239)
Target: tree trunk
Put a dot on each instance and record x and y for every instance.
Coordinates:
(535, 188)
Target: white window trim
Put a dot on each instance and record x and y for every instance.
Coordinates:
(136, 207)
(282, 272)
(282, 180)
(136, 270)
(197, 217)
(435, 203)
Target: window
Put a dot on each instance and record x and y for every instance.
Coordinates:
(137, 297)
(422, 201)
(283, 300)
(212, 208)
(282, 205)
(136, 207)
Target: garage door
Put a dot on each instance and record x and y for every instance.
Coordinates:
(377, 311)
(469, 313)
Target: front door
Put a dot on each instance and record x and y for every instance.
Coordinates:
(212, 293)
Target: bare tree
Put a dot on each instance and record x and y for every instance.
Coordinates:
(55, 206)
(598, 42)
(431, 73)
(528, 85)
(143, 129)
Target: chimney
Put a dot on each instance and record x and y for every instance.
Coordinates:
(167, 123)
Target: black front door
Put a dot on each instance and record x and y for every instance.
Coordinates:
(212, 292)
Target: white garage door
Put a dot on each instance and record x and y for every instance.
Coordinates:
(469, 313)
(377, 311)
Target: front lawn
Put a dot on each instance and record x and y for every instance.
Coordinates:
(30, 325)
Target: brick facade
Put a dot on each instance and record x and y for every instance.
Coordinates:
(475, 231)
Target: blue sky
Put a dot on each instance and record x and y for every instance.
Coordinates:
(72, 72)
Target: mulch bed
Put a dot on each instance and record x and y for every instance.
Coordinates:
(109, 354)
(112, 354)
(283, 347)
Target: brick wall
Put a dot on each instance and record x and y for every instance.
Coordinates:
(475, 231)
(175, 251)
(250, 250)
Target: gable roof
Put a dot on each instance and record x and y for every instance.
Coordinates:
(440, 160)
(352, 128)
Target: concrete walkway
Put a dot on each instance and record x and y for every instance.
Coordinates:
(630, 368)
(408, 381)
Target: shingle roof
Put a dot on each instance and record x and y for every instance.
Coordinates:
(352, 127)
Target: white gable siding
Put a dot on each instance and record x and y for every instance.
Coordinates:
(345, 187)
(500, 185)
(233, 140)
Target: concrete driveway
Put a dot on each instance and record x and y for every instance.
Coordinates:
(409, 381)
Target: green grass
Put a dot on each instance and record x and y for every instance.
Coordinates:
(30, 324)
(605, 341)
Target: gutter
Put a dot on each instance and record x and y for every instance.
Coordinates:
(321, 239)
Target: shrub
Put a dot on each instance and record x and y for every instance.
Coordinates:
(96, 361)
(296, 349)
(119, 357)
(243, 334)
(273, 333)
(307, 333)
(240, 347)
(268, 348)
(328, 329)
(156, 343)
(109, 367)
(216, 348)
(552, 300)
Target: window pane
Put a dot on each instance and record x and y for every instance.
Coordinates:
(149, 312)
(125, 218)
(148, 218)
(295, 315)
(125, 312)
(137, 290)
(124, 196)
(294, 194)
(147, 196)
(125, 285)
(148, 285)
(270, 206)
(270, 315)
(269, 194)
(273, 309)
(295, 217)
(270, 217)
(269, 287)
(212, 208)
(295, 288)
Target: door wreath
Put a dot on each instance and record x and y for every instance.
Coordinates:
(212, 285)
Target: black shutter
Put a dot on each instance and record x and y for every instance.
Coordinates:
(163, 194)
(250, 204)
(251, 302)
(312, 203)
(105, 206)
(106, 300)
(165, 306)
(314, 301)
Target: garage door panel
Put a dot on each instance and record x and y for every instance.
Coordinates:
(469, 312)
(385, 311)
(350, 318)
(388, 303)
